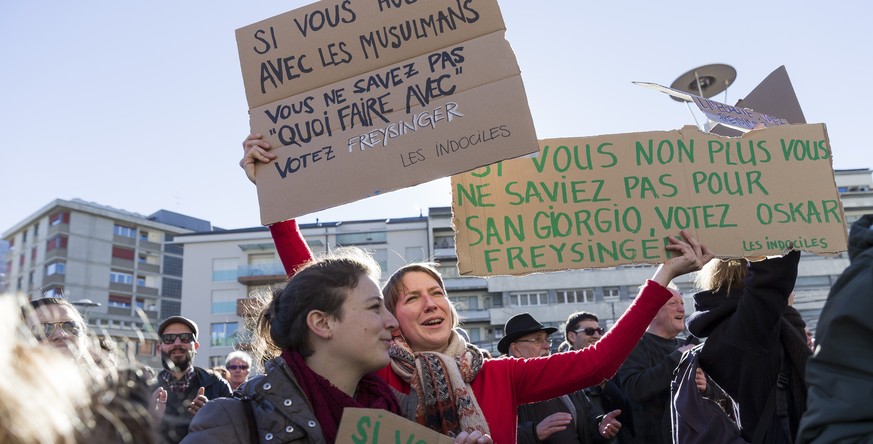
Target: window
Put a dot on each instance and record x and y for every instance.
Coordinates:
(611, 294)
(216, 361)
(171, 288)
(448, 270)
(122, 253)
(56, 242)
(466, 302)
(146, 348)
(170, 308)
(140, 281)
(173, 266)
(61, 217)
(372, 237)
(172, 248)
(121, 230)
(262, 259)
(35, 231)
(474, 335)
(224, 301)
(144, 235)
(444, 241)
(120, 278)
(575, 296)
(523, 299)
(224, 334)
(224, 269)
(414, 254)
(55, 268)
(119, 301)
(381, 257)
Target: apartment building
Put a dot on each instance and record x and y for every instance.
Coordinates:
(120, 268)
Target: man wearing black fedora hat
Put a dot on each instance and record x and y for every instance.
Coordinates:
(555, 420)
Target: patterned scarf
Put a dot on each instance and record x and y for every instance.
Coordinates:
(178, 385)
(446, 402)
(328, 401)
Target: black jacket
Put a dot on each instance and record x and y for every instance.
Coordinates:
(840, 375)
(746, 342)
(174, 424)
(645, 378)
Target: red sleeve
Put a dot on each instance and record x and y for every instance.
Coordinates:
(539, 379)
(290, 244)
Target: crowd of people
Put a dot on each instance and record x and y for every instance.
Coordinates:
(332, 338)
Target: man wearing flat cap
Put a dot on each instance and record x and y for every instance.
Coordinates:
(557, 420)
(182, 388)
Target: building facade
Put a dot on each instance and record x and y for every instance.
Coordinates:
(120, 268)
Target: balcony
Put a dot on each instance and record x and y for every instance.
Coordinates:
(124, 288)
(55, 253)
(123, 240)
(150, 246)
(53, 279)
(474, 315)
(261, 274)
(148, 268)
(444, 253)
(120, 311)
(58, 229)
(146, 291)
(122, 263)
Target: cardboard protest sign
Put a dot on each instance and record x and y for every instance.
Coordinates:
(609, 200)
(358, 99)
(360, 426)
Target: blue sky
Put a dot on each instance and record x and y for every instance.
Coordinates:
(140, 105)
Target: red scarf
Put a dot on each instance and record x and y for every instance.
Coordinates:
(328, 401)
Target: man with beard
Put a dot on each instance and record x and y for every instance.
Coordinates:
(182, 388)
(647, 373)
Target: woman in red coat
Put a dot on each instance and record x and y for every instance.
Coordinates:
(457, 389)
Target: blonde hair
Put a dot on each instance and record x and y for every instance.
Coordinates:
(42, 392)
(47, 396)
(721, 274)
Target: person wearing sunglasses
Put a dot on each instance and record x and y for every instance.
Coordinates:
(583, 330)
(238, 363)
(56, 322)
(182, 388)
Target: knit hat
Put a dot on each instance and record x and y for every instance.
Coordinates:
(178, 320)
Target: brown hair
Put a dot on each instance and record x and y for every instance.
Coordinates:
(574, 319)
(721, 274)
(393, 289)
(322, 284)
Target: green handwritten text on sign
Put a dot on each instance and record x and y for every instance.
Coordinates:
(610, 200)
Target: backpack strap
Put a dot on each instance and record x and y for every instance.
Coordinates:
(770, 410)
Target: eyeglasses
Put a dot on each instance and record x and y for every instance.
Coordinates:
(590, 331)
(535, 340)
(169, 338)
(238, 367)
(71, 328)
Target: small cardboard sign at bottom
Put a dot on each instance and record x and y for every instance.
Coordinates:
(360, 426)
